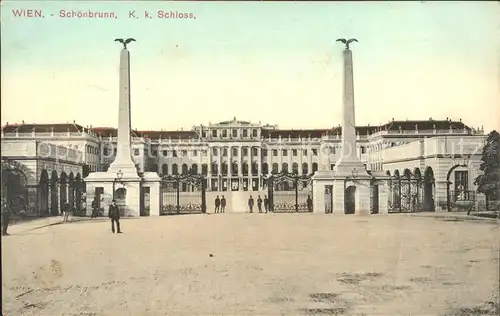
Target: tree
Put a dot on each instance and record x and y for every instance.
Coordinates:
(85, 170)
(488, 182)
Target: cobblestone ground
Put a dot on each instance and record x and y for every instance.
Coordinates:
(251, 264)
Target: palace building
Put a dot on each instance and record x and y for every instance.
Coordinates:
(236, 155)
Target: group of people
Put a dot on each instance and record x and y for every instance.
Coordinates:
(220, 204)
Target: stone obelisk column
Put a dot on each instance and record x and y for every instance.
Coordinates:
(348, 156)
(123, 160)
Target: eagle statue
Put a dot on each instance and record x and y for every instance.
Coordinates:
(125, 42)
(347, 42)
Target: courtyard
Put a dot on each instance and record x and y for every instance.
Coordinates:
(253, 264)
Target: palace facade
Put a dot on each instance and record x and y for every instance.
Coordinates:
(236, 155)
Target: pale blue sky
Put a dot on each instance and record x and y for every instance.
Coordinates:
(271, 61)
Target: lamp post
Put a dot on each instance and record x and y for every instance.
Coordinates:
(119, 176)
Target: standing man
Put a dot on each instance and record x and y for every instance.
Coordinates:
(65, 208)
(5, 217)
(94, 208)
(250, 204)
(223, 204)
(114, 215)
(310, 203)
(266, 203)
(259, 203)
(217, 204)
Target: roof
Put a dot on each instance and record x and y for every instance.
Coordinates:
(43, 128)
(424, 125)
(266, 133)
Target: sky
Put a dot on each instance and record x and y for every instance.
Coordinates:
(273, 62)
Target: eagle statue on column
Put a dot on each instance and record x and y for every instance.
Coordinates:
(347, 42)
(125, 42)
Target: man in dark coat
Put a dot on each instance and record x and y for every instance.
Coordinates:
(217, 204)
(95, 209)
(223, 204)
(114, 215)
(6, 212)
(250, 204)
(266, 203)
(259, 204)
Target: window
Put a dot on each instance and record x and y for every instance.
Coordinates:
(255, 169)
(244, 169)
(295, 168)
(245, 151)
(275, 167)
(245, 133)
(165, 153)
(234, 152)
(164, 169)
(174, 153)
(195, 153)
(105, 151)
(204, 152)
(235, 133)
(224, 152)
(175, 169)
(184, 153)
(204, 134)
(332, 166)
(215, 151)
(254, 133)
(305, 168)
(285, 152)
(265, 168)
(204, 169)
(304, 152)
(332, 150)
(275, 152)
(315, 152)
(255, 152)
(215, 169)
(154, 153)
(224, 133)
(264, 152)
(184, 169)
(294, 152)
(315, 167)
(136, 152)
(214, 133)
(284, 167)
(363, 149)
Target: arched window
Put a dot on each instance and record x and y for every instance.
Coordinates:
(305, 168)
(194, 169)
(175, 169)
(245, 169)
(234, 169)
(295, 168)
(184, 168)
(164, 169)
(215, 169)
(204, 169)
(265, 168)
(315, 167)
(255, 168)
(284, 167)
(224, 169)
(275, 167)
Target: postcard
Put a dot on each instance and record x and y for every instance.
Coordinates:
(250, 158)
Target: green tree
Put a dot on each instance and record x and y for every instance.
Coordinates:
(488, 182)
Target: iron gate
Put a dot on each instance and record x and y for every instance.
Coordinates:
(183, 194)
(289, 193)
(409, 193)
